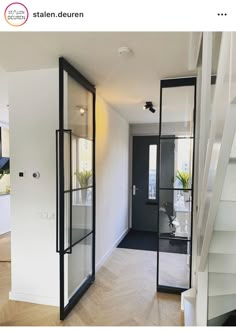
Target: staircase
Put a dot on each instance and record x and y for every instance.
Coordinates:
(222, 251)
(218, 211)
(215, 267)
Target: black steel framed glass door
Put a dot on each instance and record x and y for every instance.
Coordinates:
(75, 185)
(175, 184)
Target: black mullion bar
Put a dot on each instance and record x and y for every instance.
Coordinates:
(94, 189)
(174, 238)
(176, 137)
(70, 148)
(77, 242)
(78, 189)
(57, 194)
(193, 171)
(61, 184)
(170, 289)
(64, 66)
(75, 74)
(178, 82)
(76, 297)
(158, 184)
(189, 189)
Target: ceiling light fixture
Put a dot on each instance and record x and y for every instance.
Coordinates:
(81, 109)
(149, 105)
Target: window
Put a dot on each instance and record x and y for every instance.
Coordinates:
(152, 172)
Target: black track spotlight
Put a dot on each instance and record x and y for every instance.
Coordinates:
(152, 110)
(149, 105)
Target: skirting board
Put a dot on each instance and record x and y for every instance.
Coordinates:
(35, 299)
(109, 252)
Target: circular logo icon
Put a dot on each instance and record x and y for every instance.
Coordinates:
(16, 14)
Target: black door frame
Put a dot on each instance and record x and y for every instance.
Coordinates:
(64, 65)
(169, 83)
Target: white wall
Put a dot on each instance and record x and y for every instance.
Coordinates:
(112, 133)
(5, 180)
(4, 114)
(33, 99)
(4, 120)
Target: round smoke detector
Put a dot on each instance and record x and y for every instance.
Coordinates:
(125, 51)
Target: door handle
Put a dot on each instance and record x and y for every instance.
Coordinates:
(134, 189)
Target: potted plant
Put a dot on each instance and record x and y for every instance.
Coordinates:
(184, 178)
(83, 178)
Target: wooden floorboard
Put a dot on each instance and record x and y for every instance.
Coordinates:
(122, 295)
(5, 247)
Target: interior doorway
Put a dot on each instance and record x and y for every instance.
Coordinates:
(177, 108)
(162, 186)
(75, 186)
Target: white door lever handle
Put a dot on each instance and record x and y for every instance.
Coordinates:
(134, 189)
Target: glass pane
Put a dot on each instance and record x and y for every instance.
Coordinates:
(177, 111)
(175, 214)
(152, 172)
(79, 108)
(79, 265)
(176, 163)
(82, 162)
(174, 263)
(67, 163)
(82, 213)
(67, 220)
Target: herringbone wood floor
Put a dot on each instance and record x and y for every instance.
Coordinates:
(123, 295)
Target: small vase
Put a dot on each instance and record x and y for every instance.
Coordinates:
(84, 195)
(186, 196)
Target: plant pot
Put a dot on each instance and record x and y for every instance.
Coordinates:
(186, 196)
(84, 195)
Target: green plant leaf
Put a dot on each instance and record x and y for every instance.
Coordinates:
(83, 177)
(184, 178)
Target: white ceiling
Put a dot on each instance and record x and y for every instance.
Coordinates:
(124, 82)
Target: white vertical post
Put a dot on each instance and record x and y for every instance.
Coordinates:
(205, 105)
(202, 298)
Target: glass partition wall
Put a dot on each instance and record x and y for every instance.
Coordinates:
(75, 186)
(175, 183)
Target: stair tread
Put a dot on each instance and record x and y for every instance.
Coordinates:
(218, 305)
(225, 218)
(221, 284)
(229, 190)
(223, 242)
(222, 263)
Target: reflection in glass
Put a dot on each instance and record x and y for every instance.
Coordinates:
(177, 111)
(82, 158)
(79, 265)
(174, 237)
(175, 214)
(80, 109)
(82, 218)
(152, 172)
(176, 163)
(174, 267)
